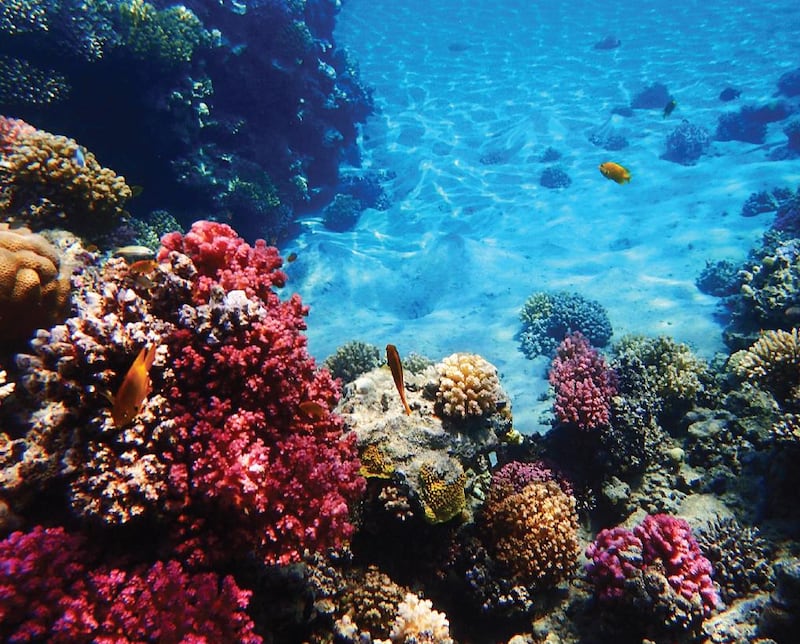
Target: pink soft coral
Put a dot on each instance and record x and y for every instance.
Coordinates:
(52, 589)
(244, 448)
(583, 382)
(660, 545)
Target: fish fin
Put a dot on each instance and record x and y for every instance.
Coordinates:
(150, 356)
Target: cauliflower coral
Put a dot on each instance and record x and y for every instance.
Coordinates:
(468, 386)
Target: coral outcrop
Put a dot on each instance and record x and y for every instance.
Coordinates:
(468, 386)
(34, 291)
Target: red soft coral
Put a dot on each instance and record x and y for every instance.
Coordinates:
(53, 589)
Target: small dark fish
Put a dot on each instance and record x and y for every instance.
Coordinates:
(729, 94)
(291, 257)
(136, 191)
(313, 410)
(670, 107)
(132, 253)
(457, 47)
(393, 358)
(609, 42)
(79, 158)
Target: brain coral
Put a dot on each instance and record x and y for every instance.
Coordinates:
(468, 386)
(33, 293)
(534, 532)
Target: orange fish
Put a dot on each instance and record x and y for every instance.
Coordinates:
(143, 266)
(615, 172)
(134, 389)
(313, 410)
(393, 358)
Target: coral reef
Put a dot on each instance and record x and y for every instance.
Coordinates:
(51, 181)
(720, 279)
(770, 284)
(583, 382)
(547, 318)
(34, 292)
(342, 213)
(353, 359)
(222, 436)
(687, 143)
(744, 125)
(468, 386)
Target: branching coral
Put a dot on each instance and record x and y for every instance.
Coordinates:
(773, 362)
(52, 588)
(547, 318)
(583, 382)
(352, 359)
(48, 180)
(657, 567)
(468, 386)
(33, 291)
(418, 623)
(534, 533)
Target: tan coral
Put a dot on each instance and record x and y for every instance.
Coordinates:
(773, 362)
(417, 622)
(535, 533)
(50, 181)
(33, 293)
(468, 386)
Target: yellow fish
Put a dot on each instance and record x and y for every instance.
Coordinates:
(134, 389)
(615, 172)
(393, 358)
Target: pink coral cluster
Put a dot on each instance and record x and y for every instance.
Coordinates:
(244, 446)
(11, 130)
(661, 544)
(51, 589)
(584, 384)
(512, 478)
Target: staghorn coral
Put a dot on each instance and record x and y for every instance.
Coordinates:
(50, 181)
(547, 318)
(33, 291)
(441, 493)
(583, 382)
(468, 386)
(534, 533)
(353, 359)
(772, 362)
(54, 589)
(418, 623)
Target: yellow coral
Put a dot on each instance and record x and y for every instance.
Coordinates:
(374, 463)
(443, 496)
(535, 533)
(773, 362)
(33, 294)
(468, 386)
(49, 179)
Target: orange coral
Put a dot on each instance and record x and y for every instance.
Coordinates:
(535, 533)
(33, 293)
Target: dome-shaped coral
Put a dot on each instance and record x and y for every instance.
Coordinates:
(468, 386)
(32, 291)
(535, 533)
